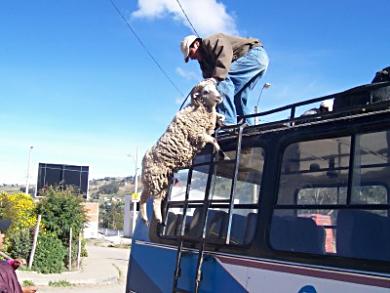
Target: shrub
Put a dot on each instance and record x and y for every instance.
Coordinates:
(19, 208)
(60, 283)
(27, 283)
(49, 255)
(20, 244)
(75, 250)
(60, 210)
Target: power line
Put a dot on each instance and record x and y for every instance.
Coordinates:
(186, 16)
(145, 48)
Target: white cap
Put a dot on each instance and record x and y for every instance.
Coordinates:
(185, 45)
(328, 104)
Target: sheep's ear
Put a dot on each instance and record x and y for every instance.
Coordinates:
(195, 98)
(195, 95)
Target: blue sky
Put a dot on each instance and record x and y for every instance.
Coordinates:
(76, 84)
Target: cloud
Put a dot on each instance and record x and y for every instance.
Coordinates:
(207, 16)
(189, 75)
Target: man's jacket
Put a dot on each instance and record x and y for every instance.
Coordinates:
(219, 51)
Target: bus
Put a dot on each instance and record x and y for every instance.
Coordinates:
(300, 203)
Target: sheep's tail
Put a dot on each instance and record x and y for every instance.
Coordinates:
(142, 206)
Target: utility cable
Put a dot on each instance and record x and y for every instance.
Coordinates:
(186, 16)
(145, 48)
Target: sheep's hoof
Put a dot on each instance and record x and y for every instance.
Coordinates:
(224, 156)
(146, 222)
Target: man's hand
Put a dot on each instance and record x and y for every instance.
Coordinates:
(18, 262)
(212, 79)
(29, 289)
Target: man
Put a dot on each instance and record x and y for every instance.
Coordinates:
(235, 63)
(8, 280)
(381, 94)
(325, 106)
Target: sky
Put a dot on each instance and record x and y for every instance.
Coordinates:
(78, 86)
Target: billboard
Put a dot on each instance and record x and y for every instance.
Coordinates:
(63, 175)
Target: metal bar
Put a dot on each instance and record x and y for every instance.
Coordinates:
(363, 88)
(233, 187)
(335, 207)
(182, 230)
(198, 271)
(351, 167)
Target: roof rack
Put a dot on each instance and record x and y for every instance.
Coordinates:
(355, 108)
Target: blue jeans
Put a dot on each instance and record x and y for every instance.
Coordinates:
(243, 75)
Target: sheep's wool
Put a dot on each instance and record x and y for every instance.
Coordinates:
(185, 136)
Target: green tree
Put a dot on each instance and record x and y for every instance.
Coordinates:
(50, 255)
(111, 214)
(62, 209)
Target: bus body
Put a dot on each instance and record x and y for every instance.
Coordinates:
(301, 205)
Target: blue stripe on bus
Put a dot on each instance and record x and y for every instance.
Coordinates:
(153, 271)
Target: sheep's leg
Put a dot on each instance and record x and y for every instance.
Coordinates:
(157, 209)
(209, 139)
(220, 119)
(142, 207)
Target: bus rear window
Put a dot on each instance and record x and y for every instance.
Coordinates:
(324, 208)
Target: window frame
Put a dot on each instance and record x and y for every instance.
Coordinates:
(214, 203)
(331, 260)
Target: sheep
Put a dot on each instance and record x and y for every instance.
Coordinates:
(186, 135)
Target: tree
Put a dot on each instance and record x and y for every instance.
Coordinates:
(111, 214)
(20, 209)
(61, 209)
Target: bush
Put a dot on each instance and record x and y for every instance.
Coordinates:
(20, 244)
(60, 283)
(60, 210)
(27, 283)
(75, 250)
(50, 255)
(20, 209)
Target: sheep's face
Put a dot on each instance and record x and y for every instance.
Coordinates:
(206, 93)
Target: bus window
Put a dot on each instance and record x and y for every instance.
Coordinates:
(178, 191)
(305, 164)
(323, 209)
(245, 203)
(371, 163)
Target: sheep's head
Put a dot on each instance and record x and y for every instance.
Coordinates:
(206, 93)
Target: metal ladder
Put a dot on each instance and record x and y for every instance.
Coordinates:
(204, 214)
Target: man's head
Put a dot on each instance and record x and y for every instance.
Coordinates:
(4, 224)
(382, 75)
(326, 106)
(189, 47)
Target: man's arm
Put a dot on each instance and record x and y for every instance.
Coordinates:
(221, 51)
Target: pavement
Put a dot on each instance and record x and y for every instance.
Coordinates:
(104, 267)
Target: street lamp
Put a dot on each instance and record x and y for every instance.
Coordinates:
(134, 201)
(265, 86)
(135, 170)
(28, 168)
